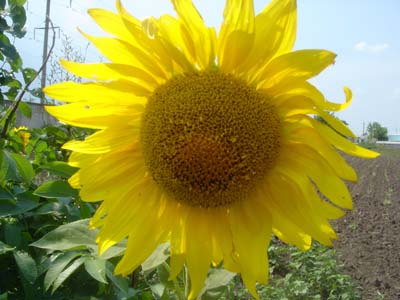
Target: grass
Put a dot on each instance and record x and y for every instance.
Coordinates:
(300, 275)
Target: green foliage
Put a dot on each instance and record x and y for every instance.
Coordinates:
(35, 198)
(310, 274)
(377, 131)
(12, 23)
(299, 275)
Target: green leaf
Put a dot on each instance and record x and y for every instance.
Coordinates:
(26, 265)
(96, 267)
(120, 282)
(4, 296)
(116, 250)
(156, 258)
(16, 2)
(4, 248)
(24, 168)
(12, 234)
(60, 168)
(15, 63)
(25, 202)
(10, 52)
(14, 83)
(55, 189)
(25, 110)
(18, 15)
(69, 236)
(57, 208)
(56, 267)
(67, 272)
(3, 23)
(216, 284)
(29, 74)
(158, 290)
(6, 195)
(85, 210)
(8, 167)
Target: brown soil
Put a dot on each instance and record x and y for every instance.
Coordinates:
(369, 236)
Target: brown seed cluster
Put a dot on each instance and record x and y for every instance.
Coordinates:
(208, 138)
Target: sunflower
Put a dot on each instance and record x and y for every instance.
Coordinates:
(207, 141)
(23, 133)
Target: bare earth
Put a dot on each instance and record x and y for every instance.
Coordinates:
(369, 236)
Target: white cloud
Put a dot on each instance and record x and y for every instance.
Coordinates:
(372, 48)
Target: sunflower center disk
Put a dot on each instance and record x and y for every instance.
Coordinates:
(208, 138)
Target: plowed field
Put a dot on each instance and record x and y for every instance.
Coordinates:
(369, 236)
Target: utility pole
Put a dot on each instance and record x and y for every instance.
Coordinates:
(45, 42)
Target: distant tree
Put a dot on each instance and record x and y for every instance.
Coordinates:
(377, 131)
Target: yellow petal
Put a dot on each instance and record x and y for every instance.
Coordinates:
(96, 184)
(199, 34)
(111, 23)
(342, 143)
(141, 243)
(94, 116)
(199, 249)
(275, 33)
(289, 200)
(307, 161)
(333, 137)
(177, 40)
(251, 232)
(121, 52)
(236, 35)
(295, 89)
(166, 31)
(178, 240)
(221, 236)
(295, 66)
(177, 261)
(81, 159)
(110, 72)
(301, 105)
(317, 211)
(115, 92)
(106, 140)
(133, 214)
(309, 137)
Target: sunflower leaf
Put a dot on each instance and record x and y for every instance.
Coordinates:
(57, 266)
(156, 258)
(216, 284)
(70, 236)
(24, 167)
(67, 272)
(4, 248)
(26, 265)
(96, 267)
(60, 168)
(22, 203)
(120, 282)
(55, 189)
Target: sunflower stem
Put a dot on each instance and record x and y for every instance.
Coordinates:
(186, 280)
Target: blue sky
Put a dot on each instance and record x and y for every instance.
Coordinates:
(364, 33)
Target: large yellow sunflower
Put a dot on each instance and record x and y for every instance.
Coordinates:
(207, 141)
